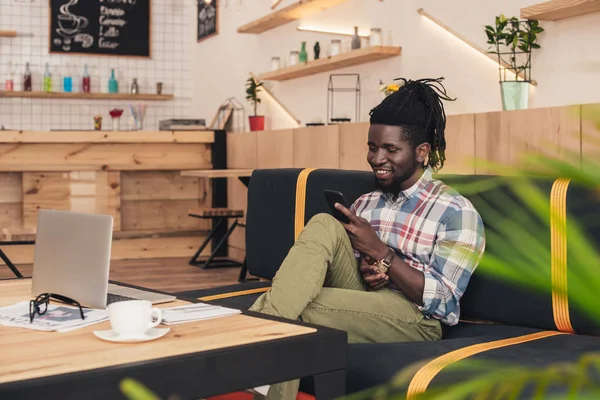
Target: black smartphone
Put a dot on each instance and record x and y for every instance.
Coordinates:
(333, 196)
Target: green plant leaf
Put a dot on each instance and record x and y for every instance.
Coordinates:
(134, 390)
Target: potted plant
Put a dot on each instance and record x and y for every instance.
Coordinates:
(513, 40)
(257, 122)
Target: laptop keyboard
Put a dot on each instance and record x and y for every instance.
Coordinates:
(113, 298)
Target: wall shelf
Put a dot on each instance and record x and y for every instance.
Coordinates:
(350, 58)
(8, 33)
(293, 12)
(555, 10)
(86, 96)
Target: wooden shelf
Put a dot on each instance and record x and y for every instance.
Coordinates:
(293, 12)
(350, 58)
(8, 33)
(87, 96)
(560, 9)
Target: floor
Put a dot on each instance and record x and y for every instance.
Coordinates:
(168, 274)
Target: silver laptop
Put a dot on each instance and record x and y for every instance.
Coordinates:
(72, 258)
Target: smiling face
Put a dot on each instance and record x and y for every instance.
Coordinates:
(397, 165)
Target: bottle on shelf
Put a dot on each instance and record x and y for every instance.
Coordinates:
(355, 39)
(47, 79)
(113, 84)
(303, 54)
(68, 81)
(9, 84)
(85, 82)
(27, 82)
(135, 88)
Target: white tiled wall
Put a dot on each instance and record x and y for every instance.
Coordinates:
(170, 64)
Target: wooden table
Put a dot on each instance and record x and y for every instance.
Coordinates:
(194, 360)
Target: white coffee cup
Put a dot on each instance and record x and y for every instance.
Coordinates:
(133, 317)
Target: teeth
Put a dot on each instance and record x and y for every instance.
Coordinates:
(382, 171)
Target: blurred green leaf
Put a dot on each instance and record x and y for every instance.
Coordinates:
(134, 390)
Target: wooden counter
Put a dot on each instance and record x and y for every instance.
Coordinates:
(133, 176)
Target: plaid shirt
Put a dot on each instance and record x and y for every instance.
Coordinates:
(434, 230)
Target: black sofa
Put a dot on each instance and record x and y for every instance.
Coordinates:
(281, 201)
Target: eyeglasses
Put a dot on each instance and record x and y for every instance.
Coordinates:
(40, 304)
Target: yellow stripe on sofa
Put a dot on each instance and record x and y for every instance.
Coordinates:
(301, 201)
(425, 374)
(233, 294)
(558, 243)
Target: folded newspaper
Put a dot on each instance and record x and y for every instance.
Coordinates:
(61, 318)
(195, 312)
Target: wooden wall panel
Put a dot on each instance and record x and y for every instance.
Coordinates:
(353, 146)
(11, 215)
(242, 152)
(85, 157)
(460, 145)
(505, 137)
(275, 149)
(11, 197)
(83, 191)
(161, 215)
(162, 185)
(590, 132)
(11, 187)
(317, 147)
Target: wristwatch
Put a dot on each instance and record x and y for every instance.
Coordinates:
(385, 263)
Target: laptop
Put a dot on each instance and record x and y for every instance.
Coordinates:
(72, 258)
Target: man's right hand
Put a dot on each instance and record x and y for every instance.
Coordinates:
(372, 276)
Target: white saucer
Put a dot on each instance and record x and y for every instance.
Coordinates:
(152, 334)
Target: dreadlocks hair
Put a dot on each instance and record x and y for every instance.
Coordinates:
(417, 108)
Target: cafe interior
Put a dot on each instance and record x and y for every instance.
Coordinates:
(160, 160)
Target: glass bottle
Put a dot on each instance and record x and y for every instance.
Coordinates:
(9, 84)
(27, 79)
(113, 85)
(68, 81)
(47, 79)
(375, 38)
(355, 39)
(85, 82)
(303, 54)
(135, 89)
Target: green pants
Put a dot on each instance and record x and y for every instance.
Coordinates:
(319, 283)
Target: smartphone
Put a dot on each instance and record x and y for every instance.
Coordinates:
(333, 197)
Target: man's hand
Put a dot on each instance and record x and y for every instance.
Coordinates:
(372, 276)
(362, 235)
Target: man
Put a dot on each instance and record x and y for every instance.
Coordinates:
(400, 266)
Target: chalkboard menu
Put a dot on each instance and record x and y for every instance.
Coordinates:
(104, 27)
(208, 18)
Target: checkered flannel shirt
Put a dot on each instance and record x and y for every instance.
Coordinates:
(434, 230)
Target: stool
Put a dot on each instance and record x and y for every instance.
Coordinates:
(219, 215)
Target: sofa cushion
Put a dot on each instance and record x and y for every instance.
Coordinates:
(240, 296)
(371, 365)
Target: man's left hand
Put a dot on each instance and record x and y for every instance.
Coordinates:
(362, 235)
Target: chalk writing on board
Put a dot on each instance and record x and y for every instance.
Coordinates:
(109, 27)
(70, 26)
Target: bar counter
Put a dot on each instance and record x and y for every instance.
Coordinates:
(135, 176)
